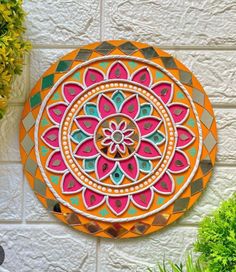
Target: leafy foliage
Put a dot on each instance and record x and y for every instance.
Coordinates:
(12, 46)
(217, 238)
(190, 266)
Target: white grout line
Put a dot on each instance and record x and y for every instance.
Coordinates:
(101, 20)
(98, 251)
(23, 200)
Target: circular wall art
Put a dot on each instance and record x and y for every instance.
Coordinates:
(118, 139)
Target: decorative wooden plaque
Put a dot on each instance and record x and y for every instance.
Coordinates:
(118, 139)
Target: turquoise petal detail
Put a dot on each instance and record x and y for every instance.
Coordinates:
(145, 110)
(78, 136)
(157, 137)
(89, 165)
(117, 176)
(144, 165)
(91, 109)
(118, 99)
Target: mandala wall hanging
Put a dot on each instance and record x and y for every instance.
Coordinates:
(118, 139)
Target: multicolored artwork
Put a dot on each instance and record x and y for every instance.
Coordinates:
(118, 139)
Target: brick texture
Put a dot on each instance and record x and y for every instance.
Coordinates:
(200, 34)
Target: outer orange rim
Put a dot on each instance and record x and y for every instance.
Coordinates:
(103, 53)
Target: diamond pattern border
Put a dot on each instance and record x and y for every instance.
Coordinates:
(183, 203)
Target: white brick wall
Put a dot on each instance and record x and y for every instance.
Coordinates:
(202, 34)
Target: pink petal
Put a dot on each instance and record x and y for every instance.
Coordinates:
(143, 199)
(86, 149)
(118, 204)
(185, 137)
(93, 76)
(106, 106)
(128, 141)
(165, 185)
(118, 71)
(128, 132)
(71, 90)
(147, 125)
(104, 167)
(122, 125)
(87, 124)
(70, 185)
(55, 162)
(130, 167)
(113, 148)
(148, 150)
(179, 162)
(107, 141)
(142, 76)
(130, 106)
(50, 137)
(164, 91)
(92, 199)
(107, 131)
(113, 126)
(122, 147)
(56, 112)
(179, 112)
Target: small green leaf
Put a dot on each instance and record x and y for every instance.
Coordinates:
(117, 176)
(91, 109)
(144, 165)
(118, 99)
(76, 76)
(145, 110)
(89, 164)
(74, 200)
(157, 137)
(78, 136)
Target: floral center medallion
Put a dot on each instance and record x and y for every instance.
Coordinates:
(118, 139)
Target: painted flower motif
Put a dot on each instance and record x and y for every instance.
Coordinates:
(118, 137)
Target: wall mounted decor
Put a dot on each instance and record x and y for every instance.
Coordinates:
(118, 139)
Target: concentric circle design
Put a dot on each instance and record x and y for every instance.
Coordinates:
(118, 139)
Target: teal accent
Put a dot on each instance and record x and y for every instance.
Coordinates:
(91, 109)
(47, 81)
(104, 212)
(76, 76)
(35, 100)
(159, 75)
(180, 95)
(56, 96)
(78, 136)
(89, 164)
(118, 99)
(132, 64)
(192, 151)
(74, 200)
(63, 65)
(132, 211)
(44, 151)
(145, 110)
(144, 165)
(180, 180)
(191, 122)
(117, 175)
(44, 122)
(54, 179)
(160, 200)
(156, 137)
(104, 64)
